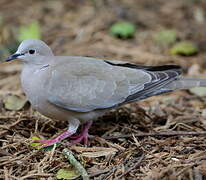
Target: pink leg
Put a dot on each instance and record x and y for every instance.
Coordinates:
(82, 137)
(50, 142)
(73, 126)
(75, 137)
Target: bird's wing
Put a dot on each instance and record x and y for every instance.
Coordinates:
(86, 84)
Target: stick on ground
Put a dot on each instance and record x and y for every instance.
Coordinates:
(69, 155)
(170, 133)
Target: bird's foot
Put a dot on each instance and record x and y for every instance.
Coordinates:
(50, 142)
(81, 138)
(75, 139)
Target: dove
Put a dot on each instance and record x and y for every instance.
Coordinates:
(81, 89)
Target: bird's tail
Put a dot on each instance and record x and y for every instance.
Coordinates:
(185, 83)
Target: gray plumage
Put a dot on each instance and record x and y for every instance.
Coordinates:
(78, 89)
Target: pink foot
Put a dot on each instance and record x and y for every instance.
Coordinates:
(82, 137)
(76, 139)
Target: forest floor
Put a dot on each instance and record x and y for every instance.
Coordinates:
(165, 134)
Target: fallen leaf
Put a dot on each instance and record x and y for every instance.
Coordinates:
(194, 70)
(31, 31)
(67, 174)
(14, 102)
(36, 144)
(49, 148)
(199, 15)
(185, 48)
(123, 30)
(166, 37)
(199, 91)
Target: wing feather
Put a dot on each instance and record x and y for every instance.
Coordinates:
(87, 84)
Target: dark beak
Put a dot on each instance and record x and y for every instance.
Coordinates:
(12, 57)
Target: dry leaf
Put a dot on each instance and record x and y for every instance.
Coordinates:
(199, 91)
(14, 102)
(67, 174)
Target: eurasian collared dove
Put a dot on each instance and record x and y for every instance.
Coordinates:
(80, 89)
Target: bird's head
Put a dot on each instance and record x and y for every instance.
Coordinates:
(30, 49)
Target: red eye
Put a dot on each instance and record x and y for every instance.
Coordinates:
(31, 51)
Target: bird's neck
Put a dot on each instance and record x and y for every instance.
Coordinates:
(31, 74)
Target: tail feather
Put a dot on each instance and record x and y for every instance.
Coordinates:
(185, 83)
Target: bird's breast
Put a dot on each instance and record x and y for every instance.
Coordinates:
(33, 82)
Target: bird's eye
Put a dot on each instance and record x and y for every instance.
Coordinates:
(31, 51)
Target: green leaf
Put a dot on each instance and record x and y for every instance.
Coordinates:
(67, 174)
(30, 31)
(166, 37)
(185, 48)
(123, 30)
(49, 148)
(14, 102)
(36, 144)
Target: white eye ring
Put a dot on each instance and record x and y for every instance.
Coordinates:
(32, 51)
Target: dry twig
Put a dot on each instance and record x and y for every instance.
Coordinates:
(173, 133)
(134, 167)
(69, 155)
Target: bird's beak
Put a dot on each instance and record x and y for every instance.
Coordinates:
(12, 57)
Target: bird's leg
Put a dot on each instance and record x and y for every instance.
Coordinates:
(73, 126)
(83, 136)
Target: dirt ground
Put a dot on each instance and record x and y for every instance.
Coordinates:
(171, 128)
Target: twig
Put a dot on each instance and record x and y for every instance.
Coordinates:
(117, 146)
(109, 172)
(10, 126)
(6, 173)
(99, 173)
(133, 167)
(3, 132)
(69, 155)
(173, 133)
(11, 160)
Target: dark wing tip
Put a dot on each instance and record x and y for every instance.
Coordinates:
(149, 68)
(176, 68)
